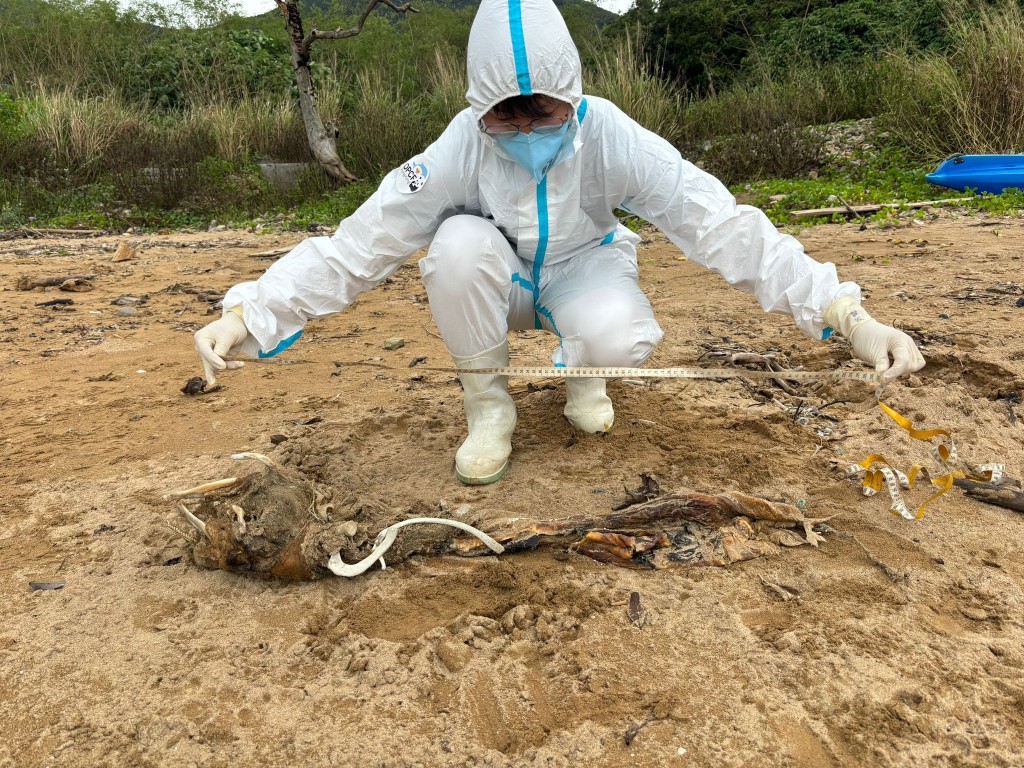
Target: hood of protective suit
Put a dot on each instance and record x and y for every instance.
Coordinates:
(520, 48)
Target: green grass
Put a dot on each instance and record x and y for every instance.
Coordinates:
(887, 174)
(882, 175)
(243, 202)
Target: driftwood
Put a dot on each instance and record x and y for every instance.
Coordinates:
(66, 283)
(56, 303)
(271, 254)
(275, 523)
(858, 209)
(31, 232)
(1002, 495)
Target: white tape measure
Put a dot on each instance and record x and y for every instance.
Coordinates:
(872, 377)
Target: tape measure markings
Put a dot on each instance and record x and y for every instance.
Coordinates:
(872, 377)
(945, 454)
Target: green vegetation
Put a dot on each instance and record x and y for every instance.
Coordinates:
(119, 118)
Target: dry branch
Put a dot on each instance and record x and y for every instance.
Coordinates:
(856, 209)
(273, 253)
(340, 34)
(66, 283)
(1000, 495)
(31, 232)
(321, 137)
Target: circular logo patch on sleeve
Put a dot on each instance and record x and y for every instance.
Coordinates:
(412, 176)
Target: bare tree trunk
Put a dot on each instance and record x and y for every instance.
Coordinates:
(320, 137)
(321, 140)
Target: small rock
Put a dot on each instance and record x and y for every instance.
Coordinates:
(453, 654)
(128, 301)
(1020, 301)
(788, 642)
(278, 439)
(45, 585)
(395, 342)
(124, 252)
(944, 316)
(974, 614)
(127, 312)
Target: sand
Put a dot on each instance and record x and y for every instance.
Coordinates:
(894, 643)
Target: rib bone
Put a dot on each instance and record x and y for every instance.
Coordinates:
(199, 490)
(194, 521)
(258, 457)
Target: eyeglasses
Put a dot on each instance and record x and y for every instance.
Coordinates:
(542, 125)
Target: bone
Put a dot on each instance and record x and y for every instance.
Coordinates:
(194, 521)
(258, 457)
(240, 516)
(199, 490)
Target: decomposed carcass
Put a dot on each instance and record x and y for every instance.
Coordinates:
(274, 522)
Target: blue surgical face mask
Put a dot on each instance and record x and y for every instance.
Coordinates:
(536, 152)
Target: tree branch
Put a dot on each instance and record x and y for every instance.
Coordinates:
(340, 34)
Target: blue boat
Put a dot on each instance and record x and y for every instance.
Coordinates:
(983, 173)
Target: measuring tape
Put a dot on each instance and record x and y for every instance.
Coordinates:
(944, 453)
(876, 469)
(872, 377)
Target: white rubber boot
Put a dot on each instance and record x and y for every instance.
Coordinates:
(587, 407)
(491, 415)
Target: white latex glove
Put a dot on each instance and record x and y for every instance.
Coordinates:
(873, 342)
(218, 339)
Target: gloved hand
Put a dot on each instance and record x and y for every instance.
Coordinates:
(872, 341)
(218, 339)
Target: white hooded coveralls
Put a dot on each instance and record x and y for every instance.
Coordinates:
(509, 252)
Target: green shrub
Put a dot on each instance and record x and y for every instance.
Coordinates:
(970, 100)
(12, 131)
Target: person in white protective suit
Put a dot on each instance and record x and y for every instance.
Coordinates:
(516, 201)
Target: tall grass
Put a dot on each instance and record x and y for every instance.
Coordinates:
(445, 89)
(970, 99)
(64, 48)
(78, 134)
(625, 75)
(250, 127)
(758, 127)
(382, 121)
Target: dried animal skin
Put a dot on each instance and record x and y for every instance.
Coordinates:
(276, 523)
(677, 530)
(268, 523)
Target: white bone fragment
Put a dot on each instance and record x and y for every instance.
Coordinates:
(240, 516)
(194, 521)
(387, 537)
(199, 490)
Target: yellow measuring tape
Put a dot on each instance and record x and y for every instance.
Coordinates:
(943, 451)
(877, 470)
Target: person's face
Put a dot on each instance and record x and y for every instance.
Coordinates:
(559, 113)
